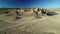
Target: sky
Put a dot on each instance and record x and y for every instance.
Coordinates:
(30, 3)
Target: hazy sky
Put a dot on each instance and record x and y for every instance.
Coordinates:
(30, 3)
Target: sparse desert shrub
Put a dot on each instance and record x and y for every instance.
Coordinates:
(6, 12)
(1, 12)
(9, 14)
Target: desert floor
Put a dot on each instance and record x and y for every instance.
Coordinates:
(31, 25)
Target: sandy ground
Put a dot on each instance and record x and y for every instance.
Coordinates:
(31, 25)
